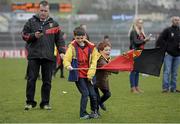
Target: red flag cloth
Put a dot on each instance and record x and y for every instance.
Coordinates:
(123, 62)
(148, 61)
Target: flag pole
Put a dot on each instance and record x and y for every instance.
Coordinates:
(83, 68)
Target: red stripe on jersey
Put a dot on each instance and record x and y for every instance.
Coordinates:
(53, 30)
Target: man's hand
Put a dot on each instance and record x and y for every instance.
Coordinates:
(70, 68)
(38, 34)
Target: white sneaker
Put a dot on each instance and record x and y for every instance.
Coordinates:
(28, 107)
(85, 117)
(46, 107)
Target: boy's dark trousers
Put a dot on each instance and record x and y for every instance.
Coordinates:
(46, 70)
(86, 89)
(104, 97)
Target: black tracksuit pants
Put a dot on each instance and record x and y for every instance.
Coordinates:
(46, 70)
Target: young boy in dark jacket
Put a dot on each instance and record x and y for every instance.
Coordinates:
(102, 81)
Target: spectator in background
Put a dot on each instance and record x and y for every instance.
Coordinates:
(137, 42)
(170, 39)
(41, 33)
(59, 60)
(106, 38)
(85, 29)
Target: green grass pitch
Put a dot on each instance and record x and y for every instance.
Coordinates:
(123, 106)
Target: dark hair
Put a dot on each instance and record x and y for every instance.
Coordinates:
(78, 31)
(102, 45)
(106, 37)
(44, 3)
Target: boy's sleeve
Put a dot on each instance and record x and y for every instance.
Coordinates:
(68, 56)
(94, 57)
(101, 62)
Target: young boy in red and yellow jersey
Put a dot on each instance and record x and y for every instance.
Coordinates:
(81, 58)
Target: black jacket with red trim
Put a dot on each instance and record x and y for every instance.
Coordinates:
(42, 47)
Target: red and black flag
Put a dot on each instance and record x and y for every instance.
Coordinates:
(150, 61)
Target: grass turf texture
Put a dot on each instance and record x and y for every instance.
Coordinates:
(123, 106)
